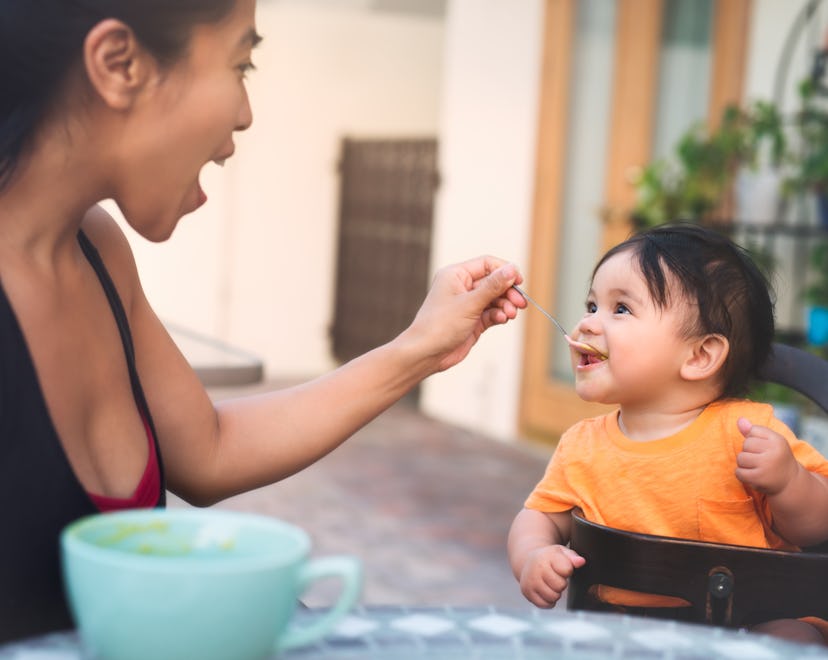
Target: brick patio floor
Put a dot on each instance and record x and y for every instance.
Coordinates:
(425, 505)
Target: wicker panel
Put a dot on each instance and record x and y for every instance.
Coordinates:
(385, 215)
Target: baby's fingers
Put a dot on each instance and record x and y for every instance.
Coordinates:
(575, 558)
(546, 592)
(566, 561)
(757, 438)
(747, 460)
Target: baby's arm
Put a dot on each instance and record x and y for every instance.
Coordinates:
(539, 557)
(797, 496)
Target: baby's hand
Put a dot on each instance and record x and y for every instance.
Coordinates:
(766, 462)
(546, 572)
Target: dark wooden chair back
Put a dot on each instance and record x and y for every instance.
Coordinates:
(726, 585)
(801, 371)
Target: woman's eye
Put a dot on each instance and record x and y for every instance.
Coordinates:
(246, 68)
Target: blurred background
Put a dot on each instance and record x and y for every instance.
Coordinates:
(394, 136)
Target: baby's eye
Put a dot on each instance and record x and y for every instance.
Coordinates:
(621, 308)
(591, 307)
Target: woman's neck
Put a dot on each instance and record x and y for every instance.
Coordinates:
(45, 201)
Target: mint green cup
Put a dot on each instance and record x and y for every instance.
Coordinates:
(205, 584)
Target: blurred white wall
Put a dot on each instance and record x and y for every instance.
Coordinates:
(487, 147)
(255, 266)
(771, 25)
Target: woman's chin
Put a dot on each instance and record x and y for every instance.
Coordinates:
(157, 227)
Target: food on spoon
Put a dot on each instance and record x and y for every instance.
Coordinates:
(586, 348)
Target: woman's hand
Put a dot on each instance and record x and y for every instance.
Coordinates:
(464, 300)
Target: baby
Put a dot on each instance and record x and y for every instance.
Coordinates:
(686, 322)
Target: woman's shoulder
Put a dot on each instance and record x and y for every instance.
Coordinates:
(106, 235)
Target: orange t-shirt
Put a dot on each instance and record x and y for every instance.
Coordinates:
(682, 486)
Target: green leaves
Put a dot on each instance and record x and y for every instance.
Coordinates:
(695, 181)
(816, 293)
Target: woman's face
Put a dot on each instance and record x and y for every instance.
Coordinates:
(646, 345)
(185, 119)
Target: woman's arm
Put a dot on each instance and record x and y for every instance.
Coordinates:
(213, 451)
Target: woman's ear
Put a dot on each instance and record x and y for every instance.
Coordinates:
(116, 64)
(707, 356)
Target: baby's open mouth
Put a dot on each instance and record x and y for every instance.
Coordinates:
(590, 354)
(583, 347)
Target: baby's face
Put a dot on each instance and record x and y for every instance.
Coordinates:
(644, 343)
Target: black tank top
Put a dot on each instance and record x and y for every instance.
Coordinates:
(39, 492)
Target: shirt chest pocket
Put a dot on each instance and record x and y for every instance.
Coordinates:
(731, 521)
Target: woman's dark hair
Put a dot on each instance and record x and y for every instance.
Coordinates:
(42, 40)
(717, 276)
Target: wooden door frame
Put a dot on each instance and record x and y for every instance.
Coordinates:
(548, 407)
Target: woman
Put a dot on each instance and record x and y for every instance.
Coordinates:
(129, 99)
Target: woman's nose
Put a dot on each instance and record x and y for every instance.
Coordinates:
(245, 118)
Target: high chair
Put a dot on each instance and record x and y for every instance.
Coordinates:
(727, 585)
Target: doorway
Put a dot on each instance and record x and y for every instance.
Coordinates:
(621, 80)
(386, 210)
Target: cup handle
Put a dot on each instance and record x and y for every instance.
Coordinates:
(349, 569)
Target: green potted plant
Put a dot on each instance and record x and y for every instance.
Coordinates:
(759, 181)
(695, 183)
(816, 296)
(809, 161)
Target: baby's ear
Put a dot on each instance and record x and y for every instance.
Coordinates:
(706, 357)
(116, 64)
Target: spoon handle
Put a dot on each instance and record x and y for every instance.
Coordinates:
(579, 345)
(540, 309)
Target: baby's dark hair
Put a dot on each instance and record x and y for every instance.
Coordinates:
(42, 40)
(717, 276)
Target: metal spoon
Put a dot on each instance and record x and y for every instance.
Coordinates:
(584, 347)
